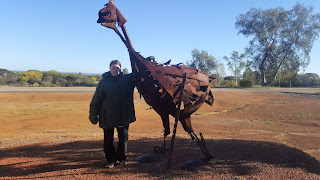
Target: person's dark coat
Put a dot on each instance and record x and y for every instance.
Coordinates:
(112, 103)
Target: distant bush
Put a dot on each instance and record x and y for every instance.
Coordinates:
(46, 84)
(227, 84)
(246, 83)
(35, 85)
(31, 77)
(2, 80)
(7, 77)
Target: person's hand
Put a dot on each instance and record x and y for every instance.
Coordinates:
(94, 118)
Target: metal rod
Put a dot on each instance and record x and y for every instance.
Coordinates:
(176, 120)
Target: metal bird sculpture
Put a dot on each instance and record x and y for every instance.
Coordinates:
(159, 84)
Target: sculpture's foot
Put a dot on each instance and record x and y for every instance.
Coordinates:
(202, 145)
(161, 150)
(208, 157)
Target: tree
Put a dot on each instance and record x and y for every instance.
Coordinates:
(235, 63)
(8, 77)
(47, 81)
(248, 74)
(2, 80)
(279, 37)
(202, 60)
(125, 71)
(220, 73)
(285, 75)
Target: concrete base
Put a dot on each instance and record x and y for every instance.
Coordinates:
(150, 158)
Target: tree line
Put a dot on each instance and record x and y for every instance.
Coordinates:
(51, 78)
(243, 74)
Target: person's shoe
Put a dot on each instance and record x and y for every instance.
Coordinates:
(123, 162)
(110, 165)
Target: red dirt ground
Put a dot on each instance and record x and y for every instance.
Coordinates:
(254, 134)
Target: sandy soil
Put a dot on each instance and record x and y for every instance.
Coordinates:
(254, 134)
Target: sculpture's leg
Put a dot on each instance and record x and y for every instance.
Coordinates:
(164, 143)
(185, 118)
(186, 122)
(166, 125)
(202, 145)
(161, 150)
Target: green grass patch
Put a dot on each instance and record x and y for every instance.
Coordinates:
(199, 114)
(299, 116)
(255, 120)
(279, 102)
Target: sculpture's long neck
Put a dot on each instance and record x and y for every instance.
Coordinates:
(126, 36)
(134, 56)
(125, 39)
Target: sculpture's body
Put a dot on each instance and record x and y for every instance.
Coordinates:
(159, 84)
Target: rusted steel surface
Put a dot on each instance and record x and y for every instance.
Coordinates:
(159, 84)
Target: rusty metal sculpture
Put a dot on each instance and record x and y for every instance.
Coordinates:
(159, 84)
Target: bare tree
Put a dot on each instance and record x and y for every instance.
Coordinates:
(236, 64)
(219, 72)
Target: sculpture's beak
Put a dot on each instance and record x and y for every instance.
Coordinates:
(101, 19)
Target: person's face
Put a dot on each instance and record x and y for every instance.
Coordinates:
(115, 69)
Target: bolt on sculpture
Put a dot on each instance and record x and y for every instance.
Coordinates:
(159, 84)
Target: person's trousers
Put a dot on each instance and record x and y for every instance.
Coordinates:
(112, 154)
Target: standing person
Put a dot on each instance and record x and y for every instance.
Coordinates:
(112, 106)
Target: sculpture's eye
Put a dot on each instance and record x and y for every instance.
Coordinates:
(105, 13)
(105, 5)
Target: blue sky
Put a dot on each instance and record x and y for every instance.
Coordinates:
(63, 35)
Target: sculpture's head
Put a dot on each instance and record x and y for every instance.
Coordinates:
(110, 14)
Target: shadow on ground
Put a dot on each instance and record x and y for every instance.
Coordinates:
(233, 155)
